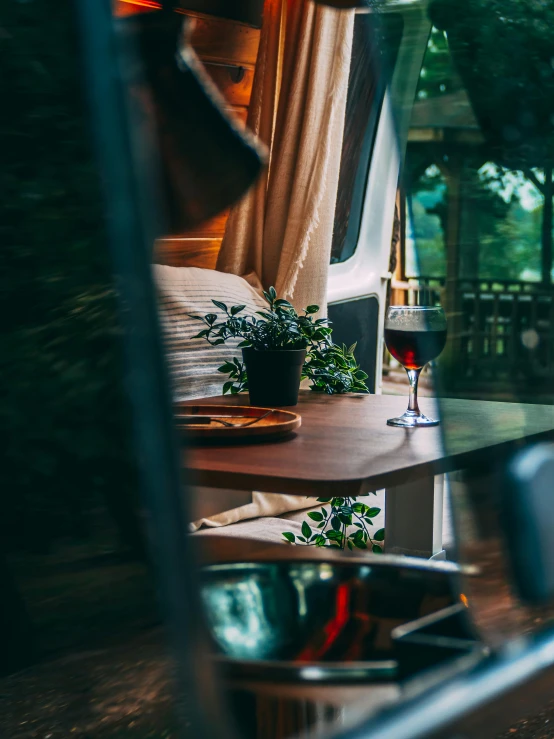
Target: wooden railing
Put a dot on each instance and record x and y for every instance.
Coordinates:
(502, 330)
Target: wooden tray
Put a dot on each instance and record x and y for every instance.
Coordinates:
(273, 422)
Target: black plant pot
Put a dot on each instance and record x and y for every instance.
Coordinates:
(273, 375)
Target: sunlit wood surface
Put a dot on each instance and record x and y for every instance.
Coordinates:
(344, 445)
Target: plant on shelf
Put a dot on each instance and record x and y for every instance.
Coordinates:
(332, 526)
(275, 340)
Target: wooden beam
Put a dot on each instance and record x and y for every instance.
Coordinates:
(225, 42)
(187, 252)
(218, 40)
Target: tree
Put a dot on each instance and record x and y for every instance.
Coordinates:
(502, 50)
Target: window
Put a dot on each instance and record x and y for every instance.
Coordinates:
(366, 89)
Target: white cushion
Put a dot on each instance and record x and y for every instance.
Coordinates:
(186, 291)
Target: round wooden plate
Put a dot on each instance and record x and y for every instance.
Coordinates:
(272, 422)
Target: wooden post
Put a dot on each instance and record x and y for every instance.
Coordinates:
(453, 175)
(546, 235)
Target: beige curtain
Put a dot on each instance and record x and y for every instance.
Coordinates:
(282, 230)
(280, 233)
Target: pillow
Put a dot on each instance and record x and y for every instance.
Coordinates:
(186, 291)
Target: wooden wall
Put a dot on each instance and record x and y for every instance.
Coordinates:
(228, 49)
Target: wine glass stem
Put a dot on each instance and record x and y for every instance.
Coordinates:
(413, 377)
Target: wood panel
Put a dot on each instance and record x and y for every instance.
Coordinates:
(225, 42)
(187, 252)
(244, 11)
(228, 50)
(213, 229)
(236, 91)
(216, 40)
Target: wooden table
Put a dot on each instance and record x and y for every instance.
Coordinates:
(345, 448)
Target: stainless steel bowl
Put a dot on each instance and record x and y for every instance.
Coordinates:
(318, 621)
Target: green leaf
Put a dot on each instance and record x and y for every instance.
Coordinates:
(360, 544)
(211, 318)
(372, 512)
(315, 516)
(312, 309)
(349, 544)
(227, 387)
(219, 305)
(237, 309)
(346, 520)
(289, 536)
(320, 541)
(335, 523)
(202, 334)
(376, 549)
(379, 535)
(226, 368)
(306, 530)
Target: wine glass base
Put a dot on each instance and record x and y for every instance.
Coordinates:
(412, 420)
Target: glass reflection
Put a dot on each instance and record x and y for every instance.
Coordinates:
(478, 189)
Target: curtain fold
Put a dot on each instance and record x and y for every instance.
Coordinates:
(282, 230)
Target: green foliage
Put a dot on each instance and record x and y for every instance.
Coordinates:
(278, 327)
(63, 411)
(499, 53)
(333, 526)
(330, 368)
(502, 218)
(502, 50)
(438, 75)
(334, 369)
(237, 376)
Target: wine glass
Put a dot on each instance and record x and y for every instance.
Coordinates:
(414, 336)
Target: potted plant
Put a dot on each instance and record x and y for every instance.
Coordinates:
(280, 347)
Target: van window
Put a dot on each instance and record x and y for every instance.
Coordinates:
(369, 76)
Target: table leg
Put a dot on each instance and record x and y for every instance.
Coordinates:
(413, 518)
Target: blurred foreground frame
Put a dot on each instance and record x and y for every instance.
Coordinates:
(131, 169)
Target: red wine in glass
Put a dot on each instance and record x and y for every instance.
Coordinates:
(414, 336)
(414, 349)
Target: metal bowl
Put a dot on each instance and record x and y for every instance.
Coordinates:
(318, 621)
